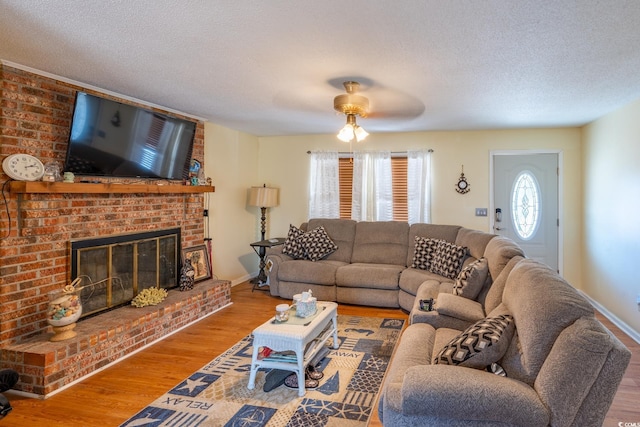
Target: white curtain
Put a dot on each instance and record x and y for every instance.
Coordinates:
(372, 193)
(324, 185)
(419, 186)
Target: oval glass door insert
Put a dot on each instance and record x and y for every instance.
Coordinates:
(525, 205)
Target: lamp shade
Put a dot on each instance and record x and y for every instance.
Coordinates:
(263, 197)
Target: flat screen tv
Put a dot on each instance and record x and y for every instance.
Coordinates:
(108, 138)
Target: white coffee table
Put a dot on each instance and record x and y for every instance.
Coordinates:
(295, 337)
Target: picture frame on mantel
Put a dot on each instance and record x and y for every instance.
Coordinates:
(199, 260)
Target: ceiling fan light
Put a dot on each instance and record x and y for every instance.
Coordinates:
(347, 133)
(351, 130)
(360, 133)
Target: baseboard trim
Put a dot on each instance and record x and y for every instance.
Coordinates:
(632, 333)
(243, 279)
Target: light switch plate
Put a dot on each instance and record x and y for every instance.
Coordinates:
(481, 211)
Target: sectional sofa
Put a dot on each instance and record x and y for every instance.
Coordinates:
(371, 264)
(509, 342)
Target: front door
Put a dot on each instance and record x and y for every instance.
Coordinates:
(525, 209)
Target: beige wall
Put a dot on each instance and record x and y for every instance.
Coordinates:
(611, 225)
(284, 163)
(600, 231)
(231, 160)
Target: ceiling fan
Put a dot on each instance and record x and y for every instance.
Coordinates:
(384, 106)
(351, 104)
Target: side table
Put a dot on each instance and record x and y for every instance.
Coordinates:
(260, 248)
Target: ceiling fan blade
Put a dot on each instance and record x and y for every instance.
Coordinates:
(390, 103)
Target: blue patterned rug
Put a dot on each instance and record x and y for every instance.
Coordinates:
(217, 394)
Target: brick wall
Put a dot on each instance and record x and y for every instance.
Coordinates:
(35, 117)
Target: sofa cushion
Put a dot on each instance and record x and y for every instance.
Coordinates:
(583, 349)
(476, 241)
(471, 279)
(381, 242)
(498, 252)
(372, 276)
(493, 297)
(292, 245)
(443, 337)
(412, 278)
(447, 259)
(480, 345)
(341, 231)
(459, 307)
(405, 356)
(313, 272)
(317, 244)
(433, 231)
(543, 304)
(423, 252)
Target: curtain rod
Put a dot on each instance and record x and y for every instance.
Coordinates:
(430, 150)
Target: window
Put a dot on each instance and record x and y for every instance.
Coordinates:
(371, 186)
(399, 187)
(525, 205)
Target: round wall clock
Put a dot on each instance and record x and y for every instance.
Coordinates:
(23, 167)
(462, 186)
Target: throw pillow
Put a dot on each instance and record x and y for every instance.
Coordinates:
(447, 258)
(317, 244)
(292, 245)
(422, 252)
(480, 345)
(470, 280)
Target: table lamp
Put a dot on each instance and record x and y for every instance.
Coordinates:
(263, 197)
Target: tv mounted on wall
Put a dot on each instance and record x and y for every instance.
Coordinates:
(108, 138)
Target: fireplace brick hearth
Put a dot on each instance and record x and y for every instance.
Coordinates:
(47, 367)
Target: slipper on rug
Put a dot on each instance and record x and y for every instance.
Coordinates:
(292, 382)
(311, 372)
(274, 379)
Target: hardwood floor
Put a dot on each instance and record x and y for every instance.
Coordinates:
(110, 397)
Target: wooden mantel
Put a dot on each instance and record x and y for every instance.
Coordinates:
(21, 187)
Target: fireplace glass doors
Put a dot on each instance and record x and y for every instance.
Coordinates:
(115, 269)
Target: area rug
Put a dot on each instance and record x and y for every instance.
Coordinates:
(217, 394)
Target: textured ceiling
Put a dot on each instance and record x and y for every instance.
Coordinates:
(273, 67)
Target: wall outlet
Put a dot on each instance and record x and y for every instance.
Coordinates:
(481, 211)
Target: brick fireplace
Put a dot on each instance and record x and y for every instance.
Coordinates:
(35, 115)
(112, 270)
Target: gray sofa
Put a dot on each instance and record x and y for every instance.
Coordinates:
(525, 350)
(372, 265)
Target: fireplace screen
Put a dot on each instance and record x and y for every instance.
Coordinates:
(115, 269)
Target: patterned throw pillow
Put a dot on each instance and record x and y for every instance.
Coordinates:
(317, 244)
(470, 280)
(480, 345)
(447, 258)
(292, 245)
(422, 252)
